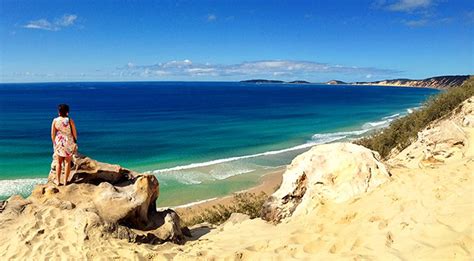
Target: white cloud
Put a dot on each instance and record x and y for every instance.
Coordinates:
(409, 5)
(420, 12)
(265, 68)
(66, 20)
(59, 23)
(42, 24)
(415, 23)
(211, 17)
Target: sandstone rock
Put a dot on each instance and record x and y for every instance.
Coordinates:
(443, 141)
(87, 170)
(336, 172)
(133, 204)
(105, 201)
(467, 113)
(168, 228)
(468, 121)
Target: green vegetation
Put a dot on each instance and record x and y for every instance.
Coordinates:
(402, 132)
(245, 203)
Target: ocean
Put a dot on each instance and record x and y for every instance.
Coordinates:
(201, 139)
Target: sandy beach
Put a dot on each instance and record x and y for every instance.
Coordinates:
(268, 184)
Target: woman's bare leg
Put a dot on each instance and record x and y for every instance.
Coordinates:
(68, 170)
(59, 169)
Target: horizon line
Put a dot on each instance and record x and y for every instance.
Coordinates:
(236, 81)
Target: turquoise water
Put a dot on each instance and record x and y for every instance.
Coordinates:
(201, 139)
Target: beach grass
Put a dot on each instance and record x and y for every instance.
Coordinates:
(402, 132)
(245, 203)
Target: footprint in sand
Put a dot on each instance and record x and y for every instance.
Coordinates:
(312, 247)
(383, 224)
(395, 198)
(39, 232)
(39, 249)
(404, 225)
(201, 253)
(258, 246)
(239, 255)
(59, 222)
(356, 244)
(65, 250)
(389, 239)
(299, 240)
(347, 218)
(374, 218)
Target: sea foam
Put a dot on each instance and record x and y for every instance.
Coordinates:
(10, 187)
(183, 174)
(218, 161)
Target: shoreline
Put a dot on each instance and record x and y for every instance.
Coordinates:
(268, 184)
(268, 181)
(274, 177)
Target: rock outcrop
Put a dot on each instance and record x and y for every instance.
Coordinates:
(336, 172)
(104, 202)
(87, 170)
(444, 140)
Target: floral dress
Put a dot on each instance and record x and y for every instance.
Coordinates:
(64, 145)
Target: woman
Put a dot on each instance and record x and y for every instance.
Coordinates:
(64, 137)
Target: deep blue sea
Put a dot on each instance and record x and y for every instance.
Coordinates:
(202, 139)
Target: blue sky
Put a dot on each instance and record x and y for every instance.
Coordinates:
(226, 40)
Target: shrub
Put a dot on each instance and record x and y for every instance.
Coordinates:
(402, 132)
(245, 203)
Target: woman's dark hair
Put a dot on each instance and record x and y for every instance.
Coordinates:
(63, 109)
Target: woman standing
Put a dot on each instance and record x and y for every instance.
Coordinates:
(64, 137)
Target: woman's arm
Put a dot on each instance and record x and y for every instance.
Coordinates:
(53, 133)
(74, 130)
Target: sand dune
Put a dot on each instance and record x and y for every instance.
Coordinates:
(424, 213)
(419, 215)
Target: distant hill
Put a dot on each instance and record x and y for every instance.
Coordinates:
(335, 82)
(439, 82)
(299, 82)
(274, 81)
(262, 81)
